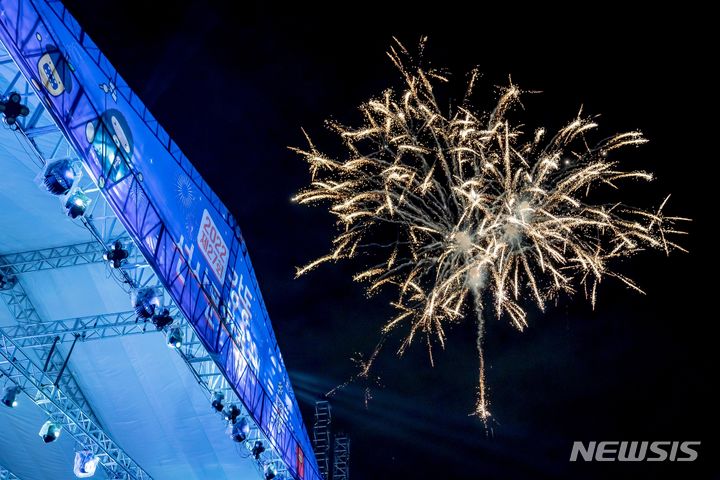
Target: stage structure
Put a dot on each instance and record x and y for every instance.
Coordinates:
(341, 457)
(322, 436)
(167, 237)
(333, 464)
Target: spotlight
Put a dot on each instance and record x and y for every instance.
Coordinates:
(85, 464)
(9, 398)
(240, 430)
(7, 281)
(146, 301)
(270, 471)
(218, 398)
(50, 431)
(116, 255)
(11, 108)
(257, 449)
(231, 413)
(175, 337)
(76, 203)
(162, 319)
(60, 176)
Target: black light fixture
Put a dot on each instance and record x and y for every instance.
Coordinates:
(116, 255)
(232, 412)
(146, 302)
(7, 281)
(50, 431)
(240, 430)
(11, 108)
(162, 319)
(60, 176)
(217, 400)
(270, 471)
(258, 449)
(9, 398)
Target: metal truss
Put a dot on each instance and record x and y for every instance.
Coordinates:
(19, 368)
(103, 326)
(6, 474)
(18, 301)
(66, 382)
(341, 457)
(51, 258)
(321, 437)
(64, 256)
(25, 313)
(39, 335)
(43, 334)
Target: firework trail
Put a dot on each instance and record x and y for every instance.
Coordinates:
(486, 217)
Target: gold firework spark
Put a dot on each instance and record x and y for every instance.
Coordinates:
(486, 216)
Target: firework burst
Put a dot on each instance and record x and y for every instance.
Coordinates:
(184, 189)
(486, 216)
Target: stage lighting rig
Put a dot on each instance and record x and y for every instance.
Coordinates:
(145, 301)
(60, 176)
(217, 400)
(232, 412)
(162, 319)
(7, 281)
(270, 471)
(77, 203)
(11, 108)
(116, 255)
(50, 431)
(175, 337)
(9, 398)
(258, 449)
(240, 430)
(85, 464)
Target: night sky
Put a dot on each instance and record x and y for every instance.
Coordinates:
(234, 90)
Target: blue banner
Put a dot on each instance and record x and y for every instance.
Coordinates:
(182, 228)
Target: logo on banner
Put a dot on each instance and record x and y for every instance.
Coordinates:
(54, 72)
(112, 141)
(213, 246)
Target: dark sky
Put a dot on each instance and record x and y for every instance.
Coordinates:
(233, 86)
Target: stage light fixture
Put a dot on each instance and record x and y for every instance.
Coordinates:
(175, 337)
(7, 281)
(11, 108)
(232, 412)
(146, 302)
(60, 175)
(240, 430)
(258, 449)
(162, 319)
(85, 464)
(9, 398)
(270, 471)
(116, 255)
(77, 203)
(50, 431)
(217, 400)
